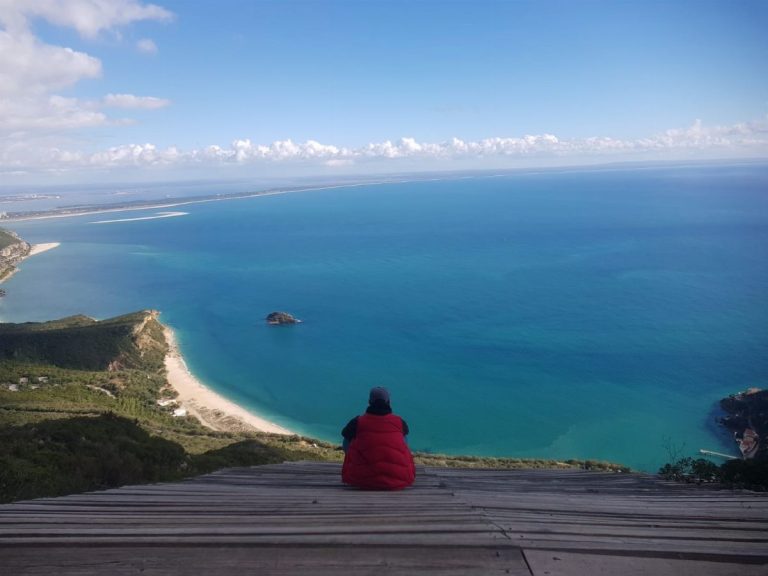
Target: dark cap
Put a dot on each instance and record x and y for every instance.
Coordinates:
(378, 395)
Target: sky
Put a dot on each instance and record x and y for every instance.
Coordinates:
(125, 90)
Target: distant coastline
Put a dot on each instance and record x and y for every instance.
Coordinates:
(377, 180)
(72, 211)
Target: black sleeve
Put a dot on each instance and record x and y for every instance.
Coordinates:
(405, 428)
(350, 430)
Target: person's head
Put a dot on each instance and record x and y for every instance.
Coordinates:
(379, 397)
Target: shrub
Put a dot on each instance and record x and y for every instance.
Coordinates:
(750, 474)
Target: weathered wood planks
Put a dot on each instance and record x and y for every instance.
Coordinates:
(298, 518)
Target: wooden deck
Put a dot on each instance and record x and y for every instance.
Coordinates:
(297, 518)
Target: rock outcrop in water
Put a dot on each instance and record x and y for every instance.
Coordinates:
(747, 419)
(279, 318)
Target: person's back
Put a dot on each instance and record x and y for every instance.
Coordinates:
(377, 456)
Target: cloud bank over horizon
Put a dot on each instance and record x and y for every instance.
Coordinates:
(745, 140)
(748, 139)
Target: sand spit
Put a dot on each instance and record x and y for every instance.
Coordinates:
(39, 248)
(155, 217)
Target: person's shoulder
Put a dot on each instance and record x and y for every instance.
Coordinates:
(406, 429)
(352, 421)
(350, 429)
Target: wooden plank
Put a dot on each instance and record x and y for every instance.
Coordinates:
(559, 563)
(416, 538)
(284, 511)
(631, 520)
(629, 531)
(267, 561)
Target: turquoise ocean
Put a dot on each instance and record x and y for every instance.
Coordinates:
(560, 314)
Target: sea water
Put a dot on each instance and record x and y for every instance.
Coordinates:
(564, 314)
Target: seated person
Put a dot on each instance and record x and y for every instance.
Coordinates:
(376, 454)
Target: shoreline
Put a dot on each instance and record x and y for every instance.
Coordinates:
(175, 203)
(33, 250)
(40, 248)
(209, 407)
(186, 201)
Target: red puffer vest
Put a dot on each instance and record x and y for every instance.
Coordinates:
(378, 457)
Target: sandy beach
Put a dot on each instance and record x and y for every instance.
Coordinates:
(213, 410)
(38, 248)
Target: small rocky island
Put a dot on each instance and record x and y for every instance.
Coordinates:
(747, 420)
(281, 318)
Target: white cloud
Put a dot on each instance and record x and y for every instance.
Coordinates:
(131, 101)
(745, 138)
(88, 17)
(132, 155)
(39, 153)
(33, 72)
(29, 67)
(146, 46)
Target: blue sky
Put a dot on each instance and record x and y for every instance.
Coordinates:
(112, 88)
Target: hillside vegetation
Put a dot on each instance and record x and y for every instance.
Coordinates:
(79, 411)
(8, 238)
(133, 341)
(12, 250)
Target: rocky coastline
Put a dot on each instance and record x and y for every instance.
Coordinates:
(747, 420)
(12, 251)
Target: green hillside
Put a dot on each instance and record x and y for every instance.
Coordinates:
(79, 411)
(133, 341)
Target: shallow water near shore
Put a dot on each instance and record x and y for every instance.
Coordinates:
(582, 314)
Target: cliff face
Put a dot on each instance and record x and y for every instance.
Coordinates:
(12, 251)
(133, 341)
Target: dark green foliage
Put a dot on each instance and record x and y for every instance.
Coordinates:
(131, 341)
(85, 453)
(690, 470)
(244, 453)
(750, 474)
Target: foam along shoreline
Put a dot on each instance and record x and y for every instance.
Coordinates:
(212, 409)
